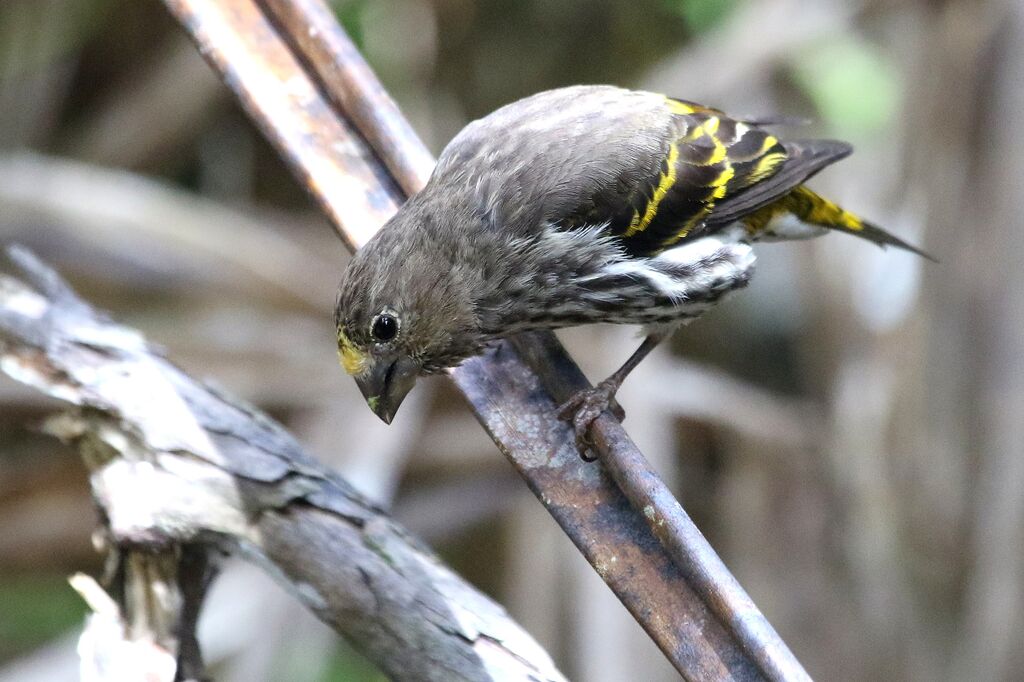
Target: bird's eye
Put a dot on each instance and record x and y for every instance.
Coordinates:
(385, 327)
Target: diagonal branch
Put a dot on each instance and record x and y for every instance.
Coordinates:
(182, 473)
(307, 87)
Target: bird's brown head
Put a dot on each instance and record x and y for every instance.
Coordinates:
(404, 309)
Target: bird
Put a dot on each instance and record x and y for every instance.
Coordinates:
(578, 205)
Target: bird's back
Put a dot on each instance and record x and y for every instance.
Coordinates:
(654, 171)
(549, 156)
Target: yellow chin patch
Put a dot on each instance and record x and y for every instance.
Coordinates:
(352, 359)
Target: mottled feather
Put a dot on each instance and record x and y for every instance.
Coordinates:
(655, 171)
(580, 205)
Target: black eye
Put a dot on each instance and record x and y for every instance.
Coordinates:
(385, 327)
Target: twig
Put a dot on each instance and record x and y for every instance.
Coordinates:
(679, 591)
(344, 76)
(686, 545)
(179, 470)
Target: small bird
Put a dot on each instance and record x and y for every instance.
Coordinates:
(577, 205)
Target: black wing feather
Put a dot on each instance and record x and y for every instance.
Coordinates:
(804, 158)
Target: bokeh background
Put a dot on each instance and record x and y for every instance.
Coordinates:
(848, 432)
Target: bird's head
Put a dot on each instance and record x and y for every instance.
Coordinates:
(403, 310)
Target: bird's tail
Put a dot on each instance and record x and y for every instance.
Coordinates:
(813, 209)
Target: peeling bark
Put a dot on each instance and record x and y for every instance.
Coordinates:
(183, 474)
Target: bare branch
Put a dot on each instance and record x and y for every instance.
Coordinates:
(180, 470)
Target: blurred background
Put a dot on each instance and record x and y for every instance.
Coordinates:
(848, 432)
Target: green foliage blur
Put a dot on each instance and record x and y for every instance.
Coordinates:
(703, 15)
(852, 85)
(36, 609)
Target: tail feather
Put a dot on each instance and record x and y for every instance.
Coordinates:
(874, 233)
(816, 210)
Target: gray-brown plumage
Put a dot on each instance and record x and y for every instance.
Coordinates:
(578, 205)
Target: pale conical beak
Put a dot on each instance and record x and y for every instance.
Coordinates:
(385, 385)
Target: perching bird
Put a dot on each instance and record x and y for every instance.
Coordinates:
(578, 205)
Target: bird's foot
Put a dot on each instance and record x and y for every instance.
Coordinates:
(586, 406)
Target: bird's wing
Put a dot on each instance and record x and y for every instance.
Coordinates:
(655, 171)
(803, 158)
(714, 170)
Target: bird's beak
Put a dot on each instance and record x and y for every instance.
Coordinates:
(385, 385)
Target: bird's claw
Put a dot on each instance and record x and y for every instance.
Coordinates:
(586, 406)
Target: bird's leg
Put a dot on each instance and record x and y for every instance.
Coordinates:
(587, 405)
